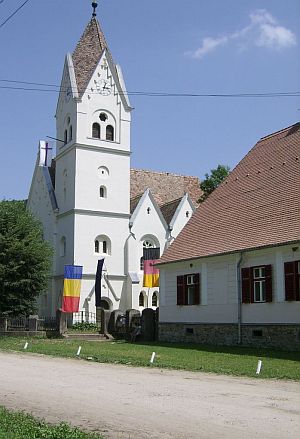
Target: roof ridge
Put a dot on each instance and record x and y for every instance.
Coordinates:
(278, 132)
(172, 201)
(164, 173)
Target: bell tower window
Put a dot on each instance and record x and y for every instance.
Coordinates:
(96, 130)
(70, 133)
(102, 192)
(110, 133)
(66, 137)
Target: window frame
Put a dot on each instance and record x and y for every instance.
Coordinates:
(249, 280)
(188, 289)
(292, 280)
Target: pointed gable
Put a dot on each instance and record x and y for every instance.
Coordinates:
(87, 54)
(258, 205)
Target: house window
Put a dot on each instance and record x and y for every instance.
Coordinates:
(102, 192)
(257, 284)
(110, 133)
(188, 289)
(96, 130)
(292, 280)
(155, 299)
(104, 246)
(97, 246)
(142, 299)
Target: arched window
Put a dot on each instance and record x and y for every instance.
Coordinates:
(102, 245)
(96, 130)
(110, 133)
(70, 133)
(142, 299)
(66, 137)
(155, 299)
(102, 192)
(142, 263)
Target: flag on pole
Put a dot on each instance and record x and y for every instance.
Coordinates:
(151, 273)
(98, 282)
(72, 285)
(45, 151)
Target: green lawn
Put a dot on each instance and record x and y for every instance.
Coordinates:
(18, 425)
(223, 360)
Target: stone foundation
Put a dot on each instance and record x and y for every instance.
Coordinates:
(281, 336)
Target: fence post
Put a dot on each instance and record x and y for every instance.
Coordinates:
(61, 322)
(3, 324)
(33, 323)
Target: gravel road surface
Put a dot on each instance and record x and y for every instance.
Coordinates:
(136, 403)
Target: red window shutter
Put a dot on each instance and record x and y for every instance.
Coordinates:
(197, 288)
(290, 277)
(268, 275)
(246, 285)
(180, 290)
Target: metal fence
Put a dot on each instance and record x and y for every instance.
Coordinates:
(18, 324)
(84, 317)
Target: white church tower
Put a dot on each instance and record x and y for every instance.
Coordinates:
(92, 173)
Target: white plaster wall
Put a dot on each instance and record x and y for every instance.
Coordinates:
(115, 178)
(93, 103)
(278, 310)
(65, 180)
(181, 219)
(65, 228)
(214, 289)
(219, 290)
(87, 228)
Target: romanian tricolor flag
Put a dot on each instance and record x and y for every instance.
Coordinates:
(151, 273)
(72, 285)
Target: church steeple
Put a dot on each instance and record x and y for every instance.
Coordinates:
(88, 53)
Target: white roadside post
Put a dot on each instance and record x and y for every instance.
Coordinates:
(78, 352)
(259, 366)
(26, 345)
(152, 357)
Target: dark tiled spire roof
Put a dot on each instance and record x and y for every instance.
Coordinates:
(87, 54)
(258, 205)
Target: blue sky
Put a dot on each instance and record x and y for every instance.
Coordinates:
(175, 46)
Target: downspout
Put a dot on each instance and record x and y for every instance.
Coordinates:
(239, 291)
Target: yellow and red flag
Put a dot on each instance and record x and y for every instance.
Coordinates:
(151, 273)
(72, 286)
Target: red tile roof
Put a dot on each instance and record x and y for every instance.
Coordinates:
(87, 54)
(164, 186)
(257, 205)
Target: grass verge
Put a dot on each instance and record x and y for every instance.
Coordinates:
(238, 361)
(18, 425)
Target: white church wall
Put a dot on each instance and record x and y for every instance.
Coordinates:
(95, 169)
(64, 179)
(94, 102)
(182, 216)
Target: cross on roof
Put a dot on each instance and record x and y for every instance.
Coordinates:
(94, 5)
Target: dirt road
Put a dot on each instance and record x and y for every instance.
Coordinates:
(136, 403)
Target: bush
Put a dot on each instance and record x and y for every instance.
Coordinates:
(85, 326)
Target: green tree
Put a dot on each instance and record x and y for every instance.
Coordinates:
(25, 259)
(212, 181)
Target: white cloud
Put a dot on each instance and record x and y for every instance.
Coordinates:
(209, 45)
(262, 31)
(275, 37)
